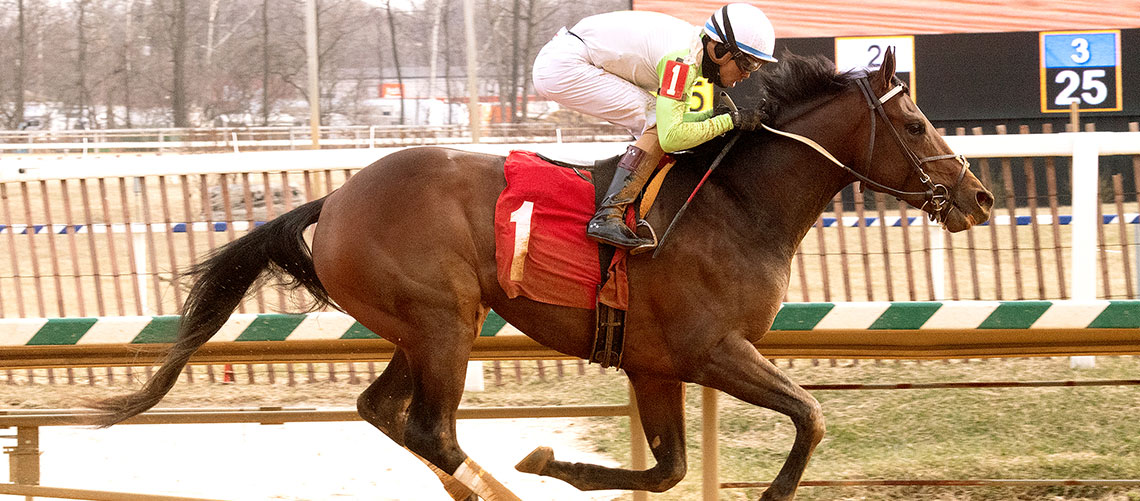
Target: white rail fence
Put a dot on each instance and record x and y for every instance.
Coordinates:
(1083, 148)
(290, 138)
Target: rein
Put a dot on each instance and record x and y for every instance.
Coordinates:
(715, 163)
(936, 198)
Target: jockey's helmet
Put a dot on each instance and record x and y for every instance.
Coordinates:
(745, 31)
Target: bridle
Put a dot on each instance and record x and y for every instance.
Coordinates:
(937, 197)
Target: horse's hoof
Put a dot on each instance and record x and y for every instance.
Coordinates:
(536, 461)
(768, 495)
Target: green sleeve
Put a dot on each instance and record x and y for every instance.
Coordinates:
(699, 116)
(677, 128)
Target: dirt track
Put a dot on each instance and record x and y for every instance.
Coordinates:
(296, 461)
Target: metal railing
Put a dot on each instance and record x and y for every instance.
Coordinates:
(234, 139)
(825, 339)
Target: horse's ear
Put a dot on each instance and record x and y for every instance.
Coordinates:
(886, 70)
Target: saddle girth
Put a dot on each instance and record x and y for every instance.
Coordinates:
(609, 336)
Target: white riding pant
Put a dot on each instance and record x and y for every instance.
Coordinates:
(563, 74)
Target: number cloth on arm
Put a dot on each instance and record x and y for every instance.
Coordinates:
(677, 128)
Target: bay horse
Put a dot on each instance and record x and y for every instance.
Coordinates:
(407, 248)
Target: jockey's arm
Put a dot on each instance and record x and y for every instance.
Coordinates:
(677, 128)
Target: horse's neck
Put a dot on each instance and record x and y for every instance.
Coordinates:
(792, 187)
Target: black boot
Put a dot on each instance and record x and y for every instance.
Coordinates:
(608, 224)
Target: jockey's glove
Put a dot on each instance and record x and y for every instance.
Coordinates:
(748, 119)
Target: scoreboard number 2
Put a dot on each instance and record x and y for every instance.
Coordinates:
(867, 52)
(1081, 67)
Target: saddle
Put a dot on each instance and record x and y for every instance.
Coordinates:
(603, 172)
(541, 248)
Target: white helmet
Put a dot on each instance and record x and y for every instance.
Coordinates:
(743, 28)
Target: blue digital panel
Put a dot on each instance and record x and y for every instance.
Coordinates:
(1080, 50)
(1081, 69)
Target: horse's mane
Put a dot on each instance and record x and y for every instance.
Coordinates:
(796, 80)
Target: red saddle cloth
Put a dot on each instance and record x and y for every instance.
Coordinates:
(541, 247)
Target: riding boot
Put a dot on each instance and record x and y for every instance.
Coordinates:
(608, 224)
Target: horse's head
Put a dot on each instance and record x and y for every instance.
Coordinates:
(910, 160)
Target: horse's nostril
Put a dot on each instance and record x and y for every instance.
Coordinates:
(985, 200)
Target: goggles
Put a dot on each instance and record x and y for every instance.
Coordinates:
(746, 62)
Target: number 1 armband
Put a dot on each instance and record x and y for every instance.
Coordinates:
(673, 80)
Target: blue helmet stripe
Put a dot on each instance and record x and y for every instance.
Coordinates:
(752, 51)
(709, 26)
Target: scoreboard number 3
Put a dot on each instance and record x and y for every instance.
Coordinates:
(1081, 67)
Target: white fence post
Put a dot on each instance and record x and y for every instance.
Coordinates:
(474, 381)
(139, 241)
(1083, 267)
(937, 257)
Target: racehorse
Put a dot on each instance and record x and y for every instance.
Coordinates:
(407, 248)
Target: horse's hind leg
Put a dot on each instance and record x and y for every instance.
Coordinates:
(661, 405)
(741, 371)
(438, 366)
(385, 405)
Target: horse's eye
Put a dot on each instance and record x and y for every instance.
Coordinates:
(916, 129)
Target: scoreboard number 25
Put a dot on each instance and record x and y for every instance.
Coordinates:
(1081, 67)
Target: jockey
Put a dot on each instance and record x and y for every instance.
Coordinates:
(609, 65)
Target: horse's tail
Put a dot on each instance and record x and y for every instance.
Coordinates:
(221, 282)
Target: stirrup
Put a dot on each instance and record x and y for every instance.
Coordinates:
(644, 247)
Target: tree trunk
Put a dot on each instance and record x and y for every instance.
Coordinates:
(21, 64)
(447, 60)
(396, 57)
(127, 63)
(513, 88)
(528, 61)
(84, 96)
(436, 23)
(379, 54)
(264, 62)
(178, 98)
(211, 29)
(110, 106)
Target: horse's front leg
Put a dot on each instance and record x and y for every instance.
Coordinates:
(661, 405)
(741, 371)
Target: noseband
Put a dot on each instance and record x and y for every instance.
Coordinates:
(937, 197)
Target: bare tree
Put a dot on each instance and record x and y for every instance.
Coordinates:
(395, 55)
(178, 55)
(447, 59)
(513, 89)
(265, 62)
(126, 59)
(156, 62)
(21, 64)
(83, 93)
